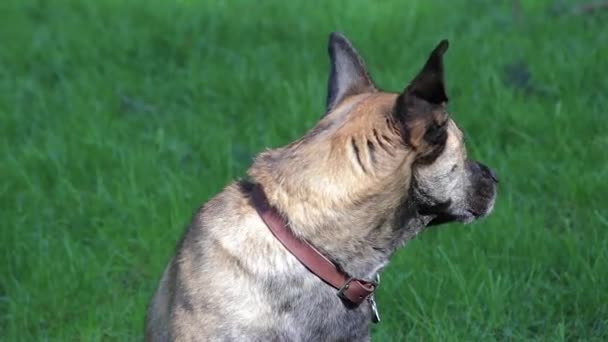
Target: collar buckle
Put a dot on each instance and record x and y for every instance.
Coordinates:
(345, 287)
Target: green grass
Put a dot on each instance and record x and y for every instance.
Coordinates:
(119, 118)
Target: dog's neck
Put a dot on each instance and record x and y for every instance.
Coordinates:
(359, 235)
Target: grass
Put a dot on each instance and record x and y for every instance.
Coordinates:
(118, 119)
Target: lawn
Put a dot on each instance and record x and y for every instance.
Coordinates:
(119, 118)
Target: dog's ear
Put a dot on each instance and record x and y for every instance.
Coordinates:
(421, 107)
(348, 75)
(428, 84)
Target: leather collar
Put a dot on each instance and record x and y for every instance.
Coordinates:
(351, 289)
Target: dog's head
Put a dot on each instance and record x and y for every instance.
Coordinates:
(410, 134)
(375, 153)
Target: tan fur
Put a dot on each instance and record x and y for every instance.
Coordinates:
(312, 199)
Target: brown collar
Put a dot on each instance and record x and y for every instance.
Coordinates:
(349, 288)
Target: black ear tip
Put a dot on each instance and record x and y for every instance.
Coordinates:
(335, 35)
(336, 38)
(338, 42)
(442, 47)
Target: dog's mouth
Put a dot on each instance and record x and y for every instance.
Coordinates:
(473, 213)
(467, 216)
(474, 209)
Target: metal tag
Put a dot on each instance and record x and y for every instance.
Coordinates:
(372, 304)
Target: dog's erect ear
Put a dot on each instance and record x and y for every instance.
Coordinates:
(348, 75)
(428, 84)
(420, 108)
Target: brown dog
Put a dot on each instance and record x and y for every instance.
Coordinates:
(377, 169)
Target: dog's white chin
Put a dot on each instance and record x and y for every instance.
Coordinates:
(468, 217)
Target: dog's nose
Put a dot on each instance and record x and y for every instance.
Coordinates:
(488, 172)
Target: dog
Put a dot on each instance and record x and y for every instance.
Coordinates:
(375, 170)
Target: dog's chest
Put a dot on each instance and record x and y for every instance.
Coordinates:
(323, 317)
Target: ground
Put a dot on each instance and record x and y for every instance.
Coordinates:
(118, 119)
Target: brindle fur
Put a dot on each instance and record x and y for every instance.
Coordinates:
(377, 169)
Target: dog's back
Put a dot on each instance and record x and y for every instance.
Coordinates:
(157, 316)
(199, 285)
